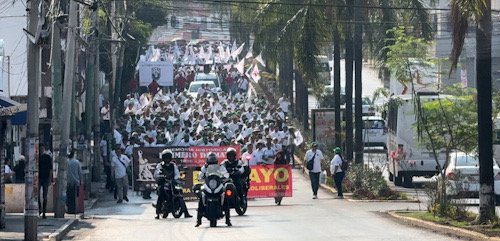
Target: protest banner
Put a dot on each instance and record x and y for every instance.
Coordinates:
(270, 181)
(161, 71)
(188, 160)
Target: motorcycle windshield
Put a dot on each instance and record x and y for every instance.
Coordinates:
(214, 170)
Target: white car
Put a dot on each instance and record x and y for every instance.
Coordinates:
(374, 132)
(463, 176)
(208, 77)
(196, 85)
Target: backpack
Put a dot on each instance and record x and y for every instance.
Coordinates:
(345, 164)
(310, 163)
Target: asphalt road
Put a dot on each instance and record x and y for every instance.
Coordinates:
(299, 218)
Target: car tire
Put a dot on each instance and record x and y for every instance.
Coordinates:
(391, 177)
(408, 181)
(398, 179)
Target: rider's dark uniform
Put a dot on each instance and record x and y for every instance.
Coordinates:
(167, 170)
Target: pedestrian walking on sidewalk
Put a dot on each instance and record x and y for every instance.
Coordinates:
(74, 177)
(120, 164)
(44, 178)
(316, 156)
(337, 172)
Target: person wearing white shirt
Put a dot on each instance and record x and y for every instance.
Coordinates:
(317, 156)
(257, 154)
(337, 172)
(284, 104)
(248, 156)
(120, 164)
(268, 154)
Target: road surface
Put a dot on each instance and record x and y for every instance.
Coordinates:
(299, 218)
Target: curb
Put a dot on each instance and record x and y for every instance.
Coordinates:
(442, 229)
(63, 230)
(348, 196)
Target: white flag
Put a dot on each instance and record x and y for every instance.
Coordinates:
(234, 46)
(249, 53)
(259, 58)
(241, 66)
(235, 53)
(256, 74)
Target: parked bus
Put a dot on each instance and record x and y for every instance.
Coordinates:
(407, 158)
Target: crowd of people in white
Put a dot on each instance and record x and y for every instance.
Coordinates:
(213, 118)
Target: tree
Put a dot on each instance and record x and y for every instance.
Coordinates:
(480, 12)
(447, 124)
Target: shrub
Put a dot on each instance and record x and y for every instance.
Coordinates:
(368, 183)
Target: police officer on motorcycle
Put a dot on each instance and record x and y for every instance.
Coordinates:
(167, 170)
(236, 169)
(212, 161)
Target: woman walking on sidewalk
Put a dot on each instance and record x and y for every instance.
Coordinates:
(337, 172)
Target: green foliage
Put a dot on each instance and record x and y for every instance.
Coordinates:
(368, 183)
(407, 53)
(443, 207)
(450, 123)
(153, 12)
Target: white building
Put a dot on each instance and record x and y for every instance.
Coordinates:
(465, 72)
(12, 21)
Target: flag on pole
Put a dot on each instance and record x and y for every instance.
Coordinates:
(241, 66)
(249, 53)
(256, 74)
(248, 73)
(260, 59)
(235, 53)
(233, 47)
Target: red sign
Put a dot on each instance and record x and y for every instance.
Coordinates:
(270, 181)
(196, 156)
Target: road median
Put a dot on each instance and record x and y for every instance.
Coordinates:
(439, 228)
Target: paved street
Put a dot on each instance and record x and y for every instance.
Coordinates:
(299, 218)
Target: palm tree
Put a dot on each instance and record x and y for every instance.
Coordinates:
(480, 12)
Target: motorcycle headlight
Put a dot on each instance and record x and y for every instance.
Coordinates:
(212, 184)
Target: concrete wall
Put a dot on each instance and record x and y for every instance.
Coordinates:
(14, 198)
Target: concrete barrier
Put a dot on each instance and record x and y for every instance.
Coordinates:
(14, 198)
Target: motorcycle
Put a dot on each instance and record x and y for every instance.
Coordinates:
(173, 197)
(213, 195)
(239, 200)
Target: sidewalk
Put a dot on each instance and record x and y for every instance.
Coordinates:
(48, 229)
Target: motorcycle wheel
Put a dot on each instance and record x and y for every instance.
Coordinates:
(241, 209)
(213, 223)
(176, 208)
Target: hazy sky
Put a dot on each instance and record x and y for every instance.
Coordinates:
(12, 22)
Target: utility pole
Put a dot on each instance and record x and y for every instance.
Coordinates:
(114, 63)
(8, 75)
(56, 71)
(90, 110)
(69, 74)
(34, 81)
(97, 131)
(358, 83)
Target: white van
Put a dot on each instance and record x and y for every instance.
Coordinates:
(401, 133)
(374, 132)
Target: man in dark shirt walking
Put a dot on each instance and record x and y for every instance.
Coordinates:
(44, 177)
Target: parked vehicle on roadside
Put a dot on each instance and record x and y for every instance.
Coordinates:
(462, 175)
(374, 132)
(407, 158)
